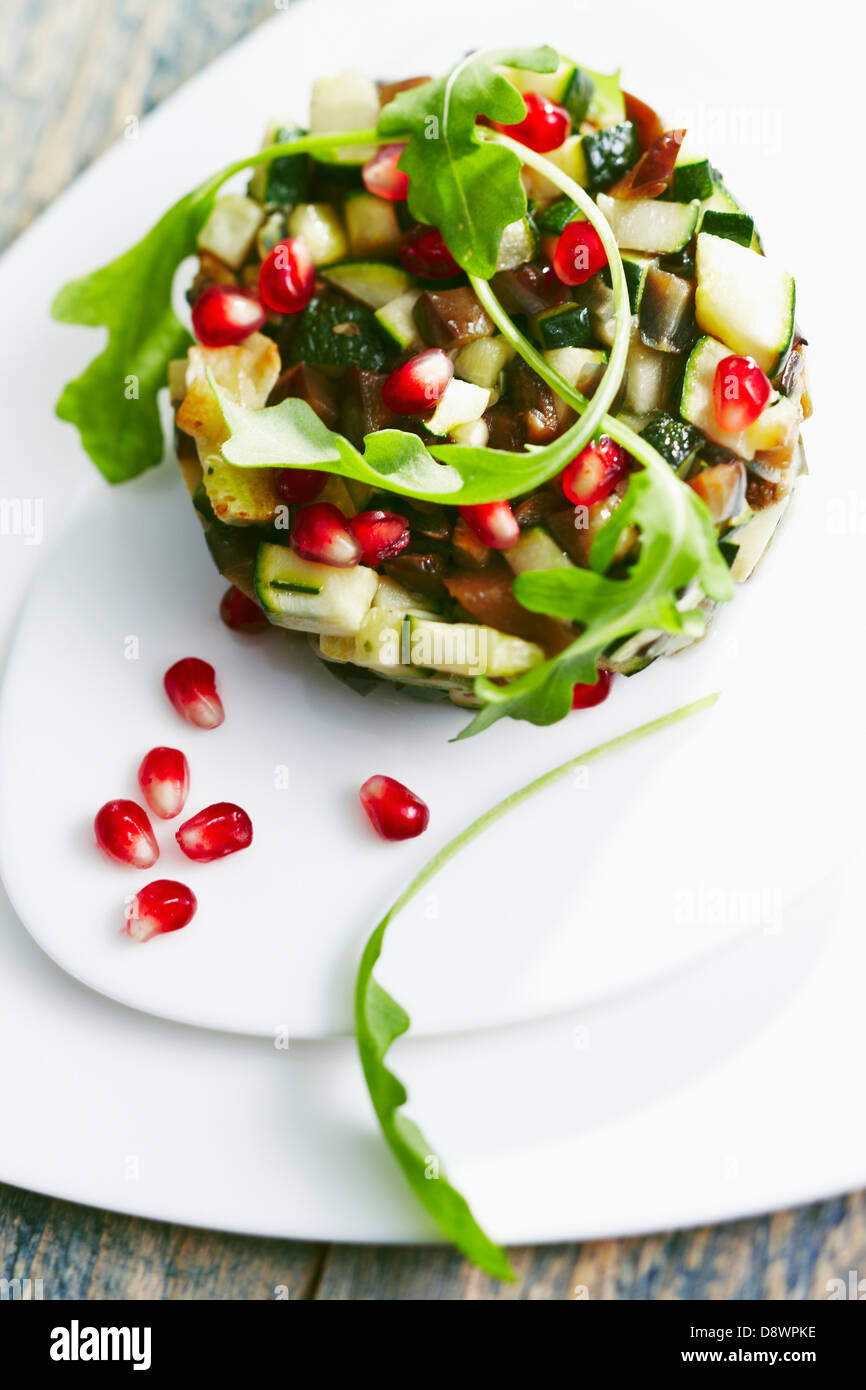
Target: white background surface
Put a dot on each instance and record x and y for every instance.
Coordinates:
(725, 1087)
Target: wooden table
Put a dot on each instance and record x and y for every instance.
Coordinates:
(70, 74)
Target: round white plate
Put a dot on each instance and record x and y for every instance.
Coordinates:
(653, 860)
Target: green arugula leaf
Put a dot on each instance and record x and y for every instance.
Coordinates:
(380, 1020)
(469, 189)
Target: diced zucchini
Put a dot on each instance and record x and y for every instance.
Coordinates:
(607, 106)
(475, 434)
(230, 229)
(676, 441)
(568, 325)
(649, 377)
(720, 200)
(775, 428)
(693, 178)
(570, 157)
(554, 85)
(537, 550)
(348, 101)
(577, 96)
(582, 368)
(371, 225)
(460, 402)
(482, 361)
(372, 282)
(736, 226)
(337, 492)
(398, 320)
(285, 181)
(240, 496)
(320, 227)
(338, 335)
(636, 268)
(556, 215)
(610, 153)
(399, 599)
(518, 244)
(744, 299)
(470, 649)
(646, 224)
(309, 597)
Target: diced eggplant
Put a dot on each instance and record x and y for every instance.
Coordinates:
(529, 288)
(421, 572)
(363, 410)
(533, 399)
(451, 318)
(488, 595)
(575, 528)
(305, 383)
(505, 429)
(723, 487)
(537, 507)
(667, 312)
(470, 552)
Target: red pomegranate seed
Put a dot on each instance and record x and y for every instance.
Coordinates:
(595, 472)
(226, 314)
(423, 253)
(382, 177)
(544, 127)
(579, 253)
(585, 696)
(416, 387)
(161, 906)
(191, 686)
(298, 485)
(394, 812)
(216, 831)
(319, 532)
(164, 781)
(382, 535)
(494, 523)
(240, 613)
(124, 832)
(740, 392)
(286, 277)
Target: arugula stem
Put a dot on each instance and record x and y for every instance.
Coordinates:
(380, 1020)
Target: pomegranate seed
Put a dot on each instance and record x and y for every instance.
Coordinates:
(382, 177)
(191, 686)
(286, 277)
(382, 535)
(423, 253)
(240, 613)
(298, 485)
(544, 127)
(161, 906)
(579, 253)
(585, 696)
(418, 385)
(494, 523)
(216, 831)
(124, 832)
(319, 532)
(394, 812)
(164, 781)
(595, 472)
(740, 392)
(226, 314)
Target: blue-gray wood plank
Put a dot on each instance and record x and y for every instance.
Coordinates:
(69, 76)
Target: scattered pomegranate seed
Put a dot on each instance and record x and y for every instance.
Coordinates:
(382, 177)
(161, 906)
(740, 392)
(319, 532)
(191, 686)
(494, 523)
(423, 253)
(124, 832)
(594, 473)
(579, 253)
(416, 387)
(544, 127)
(240, 613)
(287, 276)
(585, 696)
(382, 535)
(216, 831)
(298, 485)
(394, 812)
(164, 781)
(226, 314)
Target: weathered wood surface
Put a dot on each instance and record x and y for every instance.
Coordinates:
(70, 74)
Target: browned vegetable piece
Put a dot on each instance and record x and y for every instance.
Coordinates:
(653, 172)
(667, 311)
(575, 528)
(537, 507)
(648, 122)
(505, 429)
(426, 519)
(306, 383)
(388, 90)
(424, 573)
(533, 399)
(363, 410)
(529, 288)
(488, 594)
(723, 487)
(470, 552)
(450, 318)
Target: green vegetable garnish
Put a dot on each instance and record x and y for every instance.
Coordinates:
(380, 1020)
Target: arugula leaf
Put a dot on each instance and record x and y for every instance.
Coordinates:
(469, 189)
(380, 1020)
(114, 401)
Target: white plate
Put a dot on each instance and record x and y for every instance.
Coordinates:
(660, 857)
(733, 1086)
